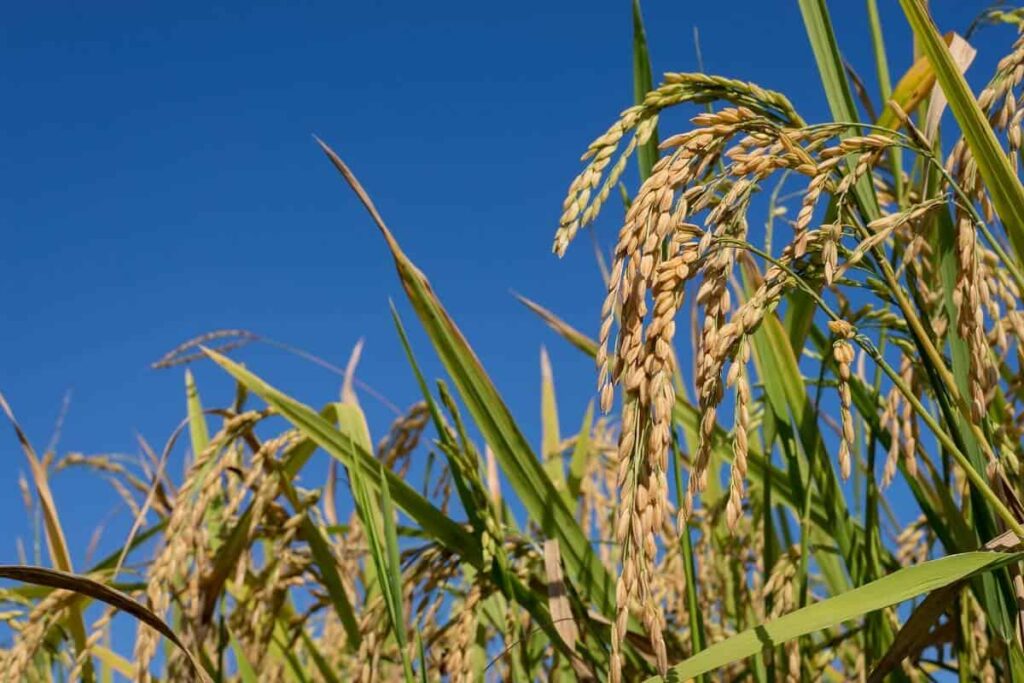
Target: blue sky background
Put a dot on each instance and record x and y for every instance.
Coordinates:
(158, 179)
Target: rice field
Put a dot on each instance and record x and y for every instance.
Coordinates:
(799, 319)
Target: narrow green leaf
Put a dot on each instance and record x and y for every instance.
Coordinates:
(886, 92)
(643, 83)
(1000, 179)
(551, 438)
(566, 331)
(200, 435)
(829, 60)
(394, 562)
(245, 669)
(423, 657)
(878, 44)
(837, 88)
(377, 516)
(889, 590)
(197, 427)
(521, 466)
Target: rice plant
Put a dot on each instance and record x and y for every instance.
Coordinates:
(806, 327)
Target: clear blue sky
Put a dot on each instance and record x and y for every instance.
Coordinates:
(158, 179)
